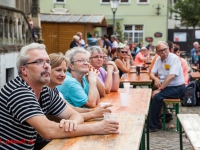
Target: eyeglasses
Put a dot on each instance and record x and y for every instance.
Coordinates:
(162, 50)
(124, 52)
(39, 62)
(97, 57)
(81, 61)
(105, 57)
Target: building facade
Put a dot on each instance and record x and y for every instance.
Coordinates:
(137, 19)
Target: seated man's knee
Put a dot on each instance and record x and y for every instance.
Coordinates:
(154, 93)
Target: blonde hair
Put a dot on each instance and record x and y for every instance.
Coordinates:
(76, 38)
(57, 59)
(105, 51)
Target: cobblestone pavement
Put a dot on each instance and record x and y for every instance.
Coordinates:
(169, 139)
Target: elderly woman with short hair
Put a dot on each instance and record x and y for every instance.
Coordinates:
(80, 86)
(109, 78)
(142, 56)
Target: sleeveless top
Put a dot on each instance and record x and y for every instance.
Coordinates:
(120, 72)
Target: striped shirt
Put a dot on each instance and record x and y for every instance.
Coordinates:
(18, 103)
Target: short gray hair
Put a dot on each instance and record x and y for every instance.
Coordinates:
(23, 57)
(162, 42)
(196, 43)
(72, 52)
(93, 49)
(113, 37)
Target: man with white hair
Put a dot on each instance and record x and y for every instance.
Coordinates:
(114, 42)
(168, 79)
(25, 101)
(193, 51)
(196, 45)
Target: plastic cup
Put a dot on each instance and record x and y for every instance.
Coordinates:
(110, 116)
(102, 104)
(127, 88)
(124, 99)
(126, 83)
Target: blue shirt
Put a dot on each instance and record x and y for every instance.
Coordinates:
(75, 93)
(193, 52)
(107, 44)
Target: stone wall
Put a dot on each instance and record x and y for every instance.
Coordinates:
(9, 3)
(15, 32)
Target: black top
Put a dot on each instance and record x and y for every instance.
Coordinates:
(120, 72)
(73, 44)
(19, 103)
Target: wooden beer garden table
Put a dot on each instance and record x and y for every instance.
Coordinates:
(194, 68)
(130, 128)
(195, 75)
(141, 71)
(142, 79)
(139, 102)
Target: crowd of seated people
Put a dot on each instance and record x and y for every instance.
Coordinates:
(63, 91)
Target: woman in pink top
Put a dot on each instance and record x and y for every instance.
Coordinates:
(183, 63)
(142, 56)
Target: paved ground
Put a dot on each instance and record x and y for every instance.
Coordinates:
(169, 139)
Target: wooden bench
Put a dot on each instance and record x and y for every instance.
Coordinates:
(191, 125)
(195, 75)
(175, 107)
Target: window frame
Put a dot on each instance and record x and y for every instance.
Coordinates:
(143, 3)
(121, 3)
(133, 31)
(55, 2)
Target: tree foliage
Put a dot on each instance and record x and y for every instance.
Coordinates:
(119, 32)
(189, 14)
(188, 10)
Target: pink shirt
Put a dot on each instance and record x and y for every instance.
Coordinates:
(138, 60)
(185, 70)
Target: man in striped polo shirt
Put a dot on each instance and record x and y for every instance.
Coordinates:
(25, 101)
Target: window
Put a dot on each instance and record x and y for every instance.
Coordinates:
(133, 33)
(9, 74)
(143, 1)
(60, 1)
(120, 1)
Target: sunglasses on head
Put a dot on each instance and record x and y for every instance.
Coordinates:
(124, 52)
